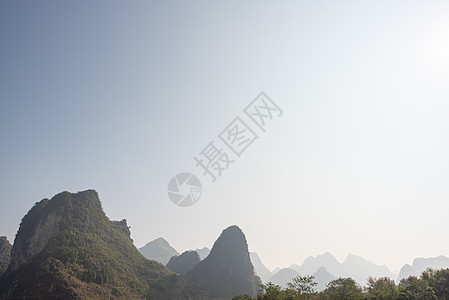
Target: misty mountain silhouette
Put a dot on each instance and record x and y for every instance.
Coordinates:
(313, 263)
(360, 269)
(353, 266)
(259, 267)
(322, 277)
(283, 276)
(421, 264)
(158, 250)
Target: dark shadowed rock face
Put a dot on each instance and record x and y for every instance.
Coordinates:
(227, 271)
(184, 263)
(5, 254)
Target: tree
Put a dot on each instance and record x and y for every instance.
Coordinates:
(343, 289)
(416, 288)
(383, 288)
(272, 291)
(269, 291)
(439, 282)
(303, 285)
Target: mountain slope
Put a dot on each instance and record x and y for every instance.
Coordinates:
(227, 271)
(184, 262)
(67, 246)
(259, 267)
(158, 250)
(5, 254)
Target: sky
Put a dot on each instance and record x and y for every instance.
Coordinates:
(121, 96)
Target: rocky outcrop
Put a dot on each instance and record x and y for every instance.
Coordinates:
(67, 248)
(227, 271)
(5, 254)
(184, 263)
(34, 236)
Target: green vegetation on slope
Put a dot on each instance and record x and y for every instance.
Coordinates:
(88, 256)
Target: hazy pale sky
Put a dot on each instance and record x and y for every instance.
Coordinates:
(120, 96)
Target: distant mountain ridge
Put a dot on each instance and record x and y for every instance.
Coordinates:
(159, 250)
(353, 266)
(421, 264)
(361, 269)
(286, 275)
(323, 277)
(312, 263)
(283, 276)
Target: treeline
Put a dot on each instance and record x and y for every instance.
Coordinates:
(431, 284)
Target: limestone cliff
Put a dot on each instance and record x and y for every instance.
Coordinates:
(67, 248)
(227, 271)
